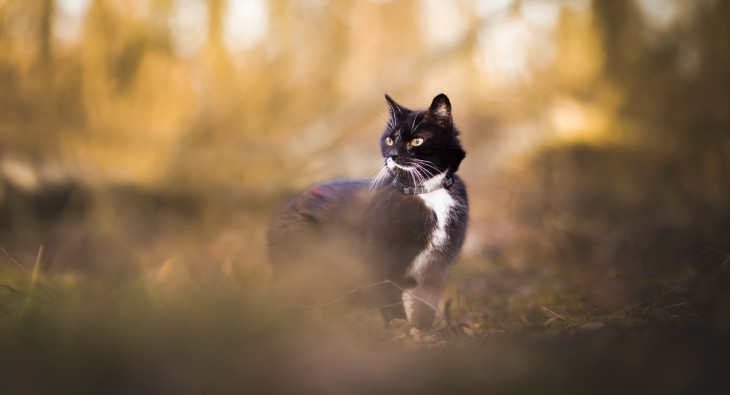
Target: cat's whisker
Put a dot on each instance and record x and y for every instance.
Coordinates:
(421, 176)
(419, 182)
(424, 177)
(414, 176)
(429, 171)
(382, 170)
(424, 162)
(424, 169)
(416, 127)
(376, 166)
(417, 172)
(384, 120)
(380, 174)
(411, 171)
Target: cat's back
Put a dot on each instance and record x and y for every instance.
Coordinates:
(319, 204)
(313, 215)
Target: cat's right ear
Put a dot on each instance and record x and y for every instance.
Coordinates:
(395, 108)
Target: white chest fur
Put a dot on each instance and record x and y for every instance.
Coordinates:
(442, 204)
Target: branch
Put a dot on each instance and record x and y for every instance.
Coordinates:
(34, 275)
(25, 295)
(13, 290)
(13, 260)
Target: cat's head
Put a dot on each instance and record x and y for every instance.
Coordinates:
(418, 145)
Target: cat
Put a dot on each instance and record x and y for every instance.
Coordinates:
(401, 230)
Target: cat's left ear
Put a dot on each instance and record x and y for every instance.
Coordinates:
(440, 110)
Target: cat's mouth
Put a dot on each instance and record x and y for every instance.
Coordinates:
(392, 165)
(412, 172)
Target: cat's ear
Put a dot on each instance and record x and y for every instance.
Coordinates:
(395, 108)
(440, 110)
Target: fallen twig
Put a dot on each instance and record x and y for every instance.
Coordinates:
(568, 320)
(339, 299)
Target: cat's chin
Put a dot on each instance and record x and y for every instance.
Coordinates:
(396, 170)
(395, 167)
(408, 175)
(390, 164)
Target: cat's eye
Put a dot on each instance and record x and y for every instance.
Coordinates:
(388, 141)
(417, 141)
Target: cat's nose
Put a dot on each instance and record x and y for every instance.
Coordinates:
(393, 153)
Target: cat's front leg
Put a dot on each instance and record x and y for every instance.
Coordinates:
(421, 303)
(390, 303)
(421, 306)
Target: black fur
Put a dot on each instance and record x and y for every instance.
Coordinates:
(370, 227)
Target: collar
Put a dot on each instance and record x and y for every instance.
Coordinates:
(416, 190)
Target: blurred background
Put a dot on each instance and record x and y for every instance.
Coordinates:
(148, 142)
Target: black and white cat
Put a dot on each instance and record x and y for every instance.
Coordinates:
(407, 225)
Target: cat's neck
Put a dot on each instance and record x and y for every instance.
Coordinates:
(439, 181)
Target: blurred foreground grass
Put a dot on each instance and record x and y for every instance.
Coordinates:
(62, 335)
(177, 300)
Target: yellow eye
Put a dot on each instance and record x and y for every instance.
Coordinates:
(417, 141)
(388, 141)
